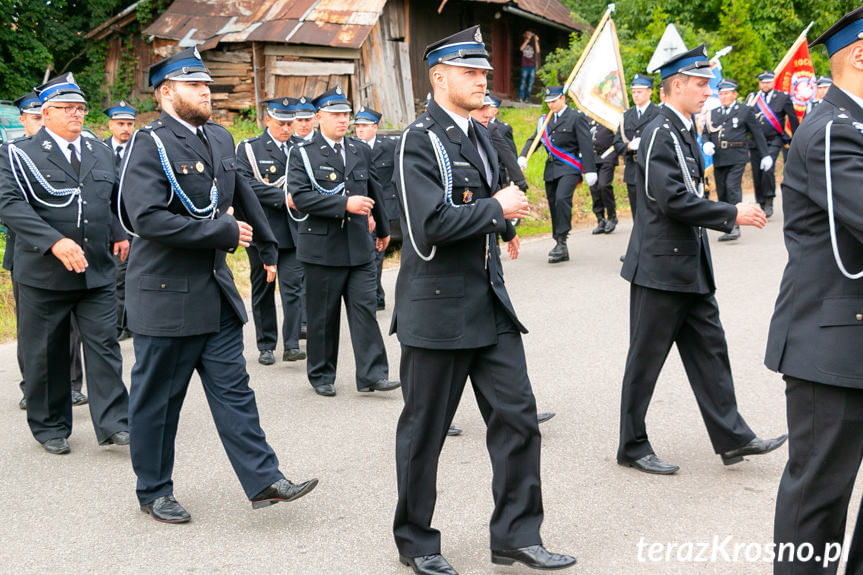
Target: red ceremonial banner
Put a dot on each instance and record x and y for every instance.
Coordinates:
(796, 75)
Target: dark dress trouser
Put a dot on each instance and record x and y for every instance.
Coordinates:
(728, 183)
(160, 378)
(559, 194)
(290, 277)
(658, 319)
(432, 384)
(602, 192)
(764, 182)
(327, 285)
(632, 193)
(121, 292)
(825, 448)
(44, 336)
(76, 372)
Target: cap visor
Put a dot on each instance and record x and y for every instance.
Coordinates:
(699, 73)
(67, 98)
(304, 115)
(363, 121)
(552, 98)
(192, 77)
(478, 63)
(280, 116)
(336, 108)
(122, 117)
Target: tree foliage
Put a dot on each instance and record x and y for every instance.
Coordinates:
(760, 31)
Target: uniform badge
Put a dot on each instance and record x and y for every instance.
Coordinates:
(339, 90)
(478, 36)
(272, 169)
(285, 102)
(197, 54)
(199, 167)
(467, 197)
(46, 145)
(734, 122)
(184, 168)
(302, 99)
(333, 176)
(88, 144)
(122, 103)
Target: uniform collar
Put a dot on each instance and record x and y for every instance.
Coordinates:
(856, 99)
(275, 141)
(460, 121)
(332, 143)
(687, 122)
(186, 124)
(371, 143)
(63, 143)
(115, 144)
(643, 109)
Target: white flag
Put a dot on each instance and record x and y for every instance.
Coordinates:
(598, 88)
(670, 45)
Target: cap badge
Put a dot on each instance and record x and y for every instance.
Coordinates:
(478, 36)
(339, 90)
(197, 54)
(285, 102)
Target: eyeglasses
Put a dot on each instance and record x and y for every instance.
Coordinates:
(72, 110)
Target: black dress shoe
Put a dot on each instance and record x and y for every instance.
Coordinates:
(282, 490)
(453, 431)
(543, 417)
(730, 236)
(266, 357)
(757, 446)
(600, 227)
(119, 438)
(167, 510)
(57, 446)
(327, 389)
(79, 398)
(382, 385)
(559, 253)
(22, 403)
(294, 354)
(768, 207)
(429, 565)
(610, 224)
(651, 464)
(535, 557)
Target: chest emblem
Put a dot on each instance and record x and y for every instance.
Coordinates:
(199, 167)
(333, 176)
(272, 169)
(467, 197)
(734, 121)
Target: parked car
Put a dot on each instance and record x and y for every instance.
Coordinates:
(10, 127)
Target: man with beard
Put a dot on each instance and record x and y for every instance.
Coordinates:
(56, 193)
(451, 272)
(179, 188)
(121, 123)
(672, 288)
(262, 160)
(31, 118)
(332, 179)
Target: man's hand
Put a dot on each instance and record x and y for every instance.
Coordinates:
(522, 162)
(590, 179)
(360, 205)
(271, 273)
(513, 201)
(766, 163)
(512, 248)
(122, 249)
(382, 243)
(708, 148)
(633, 144)
(245, 230)
(372, 224)
(290, 201)
(750, 215)
(70, 255)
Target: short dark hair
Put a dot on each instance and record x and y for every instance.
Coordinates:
(666, 83)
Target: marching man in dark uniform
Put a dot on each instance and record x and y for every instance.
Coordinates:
(602, 192)
(772, 108)
(332, 179)
(179, 183)
(366, 123)
(669, 266)
(263, 162)
(728, 143)
(570, 154)
(56, 192)
(628, 136)
(304, 120)
(121, 122)
(455, 320)
(31, 118)
(816, 333)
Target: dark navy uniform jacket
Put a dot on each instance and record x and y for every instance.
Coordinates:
(383, 157)
(449, 302)
(331, 236)
(603, 139)
(177, 273)
(782, 107)
(730, 134)
(504, 145)
(817, 328)
(668, 248)
(272, 165)
(631, 127)
(571, 134)
(38, 227)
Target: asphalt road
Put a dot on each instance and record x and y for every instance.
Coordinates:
(77, 513)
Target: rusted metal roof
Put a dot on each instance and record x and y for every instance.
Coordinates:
(551, 10)
(336, 23)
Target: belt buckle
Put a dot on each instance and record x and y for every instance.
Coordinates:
(723, 145)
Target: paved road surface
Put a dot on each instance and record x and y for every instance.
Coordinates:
(78, 513)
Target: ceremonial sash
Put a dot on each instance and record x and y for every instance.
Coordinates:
(768, 114)
(558, 153)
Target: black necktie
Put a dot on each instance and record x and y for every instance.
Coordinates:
(73, 159)
(203, 138)
(117, 155)
(338, 148)
(639, 113)
(471, 133)
(285, 148)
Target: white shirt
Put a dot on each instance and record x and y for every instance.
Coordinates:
(63, 144)
(333, 143)
(115, 144)
(463, 123)
(189, 126)
(283, 146)
(371, 142)
(687, 122)
(642, 109)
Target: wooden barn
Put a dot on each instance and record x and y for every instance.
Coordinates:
(259, 49)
